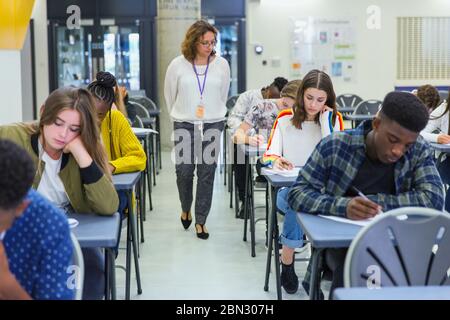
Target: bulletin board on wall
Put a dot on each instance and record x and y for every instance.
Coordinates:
(325, 44)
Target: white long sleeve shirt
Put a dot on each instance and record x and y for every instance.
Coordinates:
(182, 93)
(296, 145)
(440, 124)
(242, 106)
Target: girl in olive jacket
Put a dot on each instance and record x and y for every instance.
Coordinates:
(71, 165)
(66, 149)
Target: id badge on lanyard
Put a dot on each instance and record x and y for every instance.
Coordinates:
(200, 109)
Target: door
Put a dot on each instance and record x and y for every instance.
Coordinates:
(231, 46)
(121, 54)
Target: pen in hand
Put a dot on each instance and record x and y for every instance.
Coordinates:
(362, 195)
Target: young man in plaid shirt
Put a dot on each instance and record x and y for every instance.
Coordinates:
(385, 159)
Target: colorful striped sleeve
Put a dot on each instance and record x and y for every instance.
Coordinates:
(273, 150)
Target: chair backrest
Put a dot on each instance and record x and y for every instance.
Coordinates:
(368, 107)
(348, 100)
(139, 109)
(409, 246)
(144, 101)
(136, 122)
(132, 93)
(78, 261)
(231, 102)
(443, 94)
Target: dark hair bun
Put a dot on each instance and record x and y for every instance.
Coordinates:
(280, 82)
(106, 79)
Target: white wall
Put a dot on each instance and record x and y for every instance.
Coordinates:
(11, 70)
(269, 23)
(41, 50)
(10, 87)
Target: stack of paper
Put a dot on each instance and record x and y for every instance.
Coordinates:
(285, 173)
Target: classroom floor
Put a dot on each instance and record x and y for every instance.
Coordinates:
(176, 265)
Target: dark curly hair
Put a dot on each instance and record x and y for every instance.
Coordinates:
(103, 87)
(16, 174)
(405, 109)
(279, 82)
(429, 96)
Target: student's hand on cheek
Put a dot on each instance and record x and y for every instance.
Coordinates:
(326, 108)
(359, 209)
(78, 150)
(73, 145)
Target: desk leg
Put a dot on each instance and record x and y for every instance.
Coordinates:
(107, 276)
(316, 262)
(128, 256)
(132, 239)
(273, 233)
(152, 146)
(141, 209)
(246, 197)
(230, 182)
(110, 274)
(142, 182)
(252, 211)
(158, 142)
(149, 181)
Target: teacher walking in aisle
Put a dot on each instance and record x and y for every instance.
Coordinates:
(196, 90)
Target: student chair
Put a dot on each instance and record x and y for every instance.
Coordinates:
(78, 262)
(154, 113)
(229, 104)
(147, 122)
(409, 246)
(348, 100)
(444, 95)
(369, 107)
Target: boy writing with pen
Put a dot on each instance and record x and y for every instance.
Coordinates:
(384, 159)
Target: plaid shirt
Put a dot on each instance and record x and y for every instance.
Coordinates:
(332, 167)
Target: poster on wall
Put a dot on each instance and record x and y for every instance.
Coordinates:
(324, 44)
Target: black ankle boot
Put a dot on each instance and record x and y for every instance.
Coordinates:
(289, 280)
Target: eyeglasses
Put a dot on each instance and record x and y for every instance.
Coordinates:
(208, 43)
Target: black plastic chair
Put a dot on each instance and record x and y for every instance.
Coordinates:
(444, 95)
(409, 246)
(229, 104)
(369, 107)
(154, 113)
(348, 100)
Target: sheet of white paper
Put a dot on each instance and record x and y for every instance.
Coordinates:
(345, 220)
(143, 130)
(285, 173)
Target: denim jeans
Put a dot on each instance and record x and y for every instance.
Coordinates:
(292, 234)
